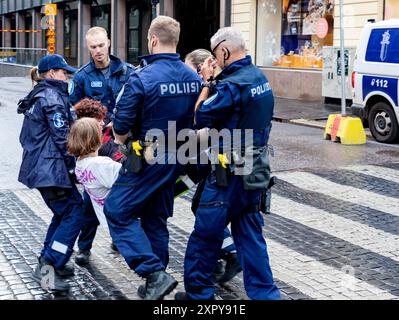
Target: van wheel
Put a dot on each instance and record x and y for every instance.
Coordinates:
(383, 123)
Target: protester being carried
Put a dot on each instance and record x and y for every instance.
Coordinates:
(96, 173)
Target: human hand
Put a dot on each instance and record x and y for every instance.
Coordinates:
(208, 68)
(109, 125)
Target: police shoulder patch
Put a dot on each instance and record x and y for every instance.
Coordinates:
(71, 87)
(58, 120)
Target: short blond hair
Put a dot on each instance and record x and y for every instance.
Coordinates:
(166, 29)
(95, 31)
(85, 137)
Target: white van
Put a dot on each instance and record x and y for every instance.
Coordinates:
(375, 79)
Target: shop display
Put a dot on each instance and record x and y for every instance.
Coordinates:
(306, 27)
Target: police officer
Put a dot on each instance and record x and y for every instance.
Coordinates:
(47, 167)
(141, 200)
(228, 252)
(101, 79)
(104, 76)
(242, 100)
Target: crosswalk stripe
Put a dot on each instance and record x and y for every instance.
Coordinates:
(319, 280)
(377, 172)
(353, 232)
(305, 273)
(312, 182)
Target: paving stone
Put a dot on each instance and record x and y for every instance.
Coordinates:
(109, 277)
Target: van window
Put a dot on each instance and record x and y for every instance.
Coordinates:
(383, 46)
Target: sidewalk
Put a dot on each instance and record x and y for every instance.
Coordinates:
(307, 113)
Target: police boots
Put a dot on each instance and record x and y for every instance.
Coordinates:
(82, 257)
(218, 271)
(158, 285)
(49, 278)
(233, 267)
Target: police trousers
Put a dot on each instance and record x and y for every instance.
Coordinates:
(228, 243)
(67, 207)
(137, 210)
(218, 207)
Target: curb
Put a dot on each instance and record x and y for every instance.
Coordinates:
(313, 124)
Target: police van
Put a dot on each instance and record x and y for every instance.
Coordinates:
(375, 79)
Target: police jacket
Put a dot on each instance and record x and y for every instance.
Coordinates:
(242, 99)
(43, 137)
(90, 82)
(165, 89)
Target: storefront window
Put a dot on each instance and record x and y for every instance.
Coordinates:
(13, 34)
(28, 36)
(100, 17)
(71, 37)
(391, 9)
(1, 35)
(134, 32)
(292, 33)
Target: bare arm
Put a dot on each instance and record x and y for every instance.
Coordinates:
(207, 72)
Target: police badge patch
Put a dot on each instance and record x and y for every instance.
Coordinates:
(96, 84)
(58, 120)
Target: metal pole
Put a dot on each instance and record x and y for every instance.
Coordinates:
(342, 49)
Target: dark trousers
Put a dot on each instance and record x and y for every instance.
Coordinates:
(137, 209)
(218, 207)
(89, 229)
(67, 207)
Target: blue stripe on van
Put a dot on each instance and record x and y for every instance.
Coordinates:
(387, 85)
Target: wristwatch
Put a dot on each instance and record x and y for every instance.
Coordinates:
(206, 85)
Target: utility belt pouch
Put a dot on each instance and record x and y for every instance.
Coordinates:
(266, 196)
(135, 157)
(222, 170)
(264, 205)
(258, 177)
(222, 175)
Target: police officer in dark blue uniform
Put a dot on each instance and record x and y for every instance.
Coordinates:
(47, 167)
(104, 76)
(242, 101)
(101, 79)
(141, 200)
(228, 252)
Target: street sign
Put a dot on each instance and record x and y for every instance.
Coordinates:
(322, 28)
(50, 9)
(48, 22)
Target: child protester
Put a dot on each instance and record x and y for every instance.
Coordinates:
(94, 109)
(96, 173)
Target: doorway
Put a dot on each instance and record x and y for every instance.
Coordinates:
(199, 20)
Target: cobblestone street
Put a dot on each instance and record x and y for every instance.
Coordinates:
(332, 234)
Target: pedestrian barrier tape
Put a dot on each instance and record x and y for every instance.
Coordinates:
(20, 31)
(345, 129)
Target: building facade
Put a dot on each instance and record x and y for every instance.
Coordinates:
(127, 22)
(285, 37)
